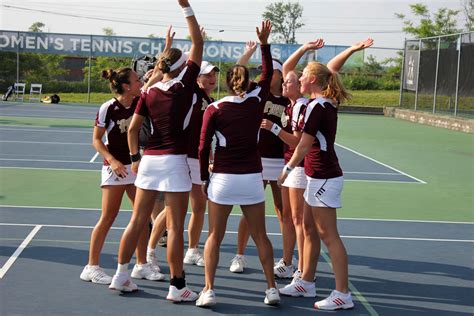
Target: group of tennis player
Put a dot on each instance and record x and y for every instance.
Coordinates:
(279, 130)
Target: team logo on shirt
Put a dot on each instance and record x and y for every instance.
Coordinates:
(274, 109)
(124, 124)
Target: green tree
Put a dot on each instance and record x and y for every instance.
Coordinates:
(36, 27)
(286, 20)
(428, 24)
(468, 10)
(108, 31)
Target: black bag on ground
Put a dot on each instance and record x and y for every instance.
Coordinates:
(51, 99)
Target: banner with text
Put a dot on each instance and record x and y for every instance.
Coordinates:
(118, 46)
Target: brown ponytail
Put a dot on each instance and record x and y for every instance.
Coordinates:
(167, 59)
(238, 80)
(330, 83)
(117, 78)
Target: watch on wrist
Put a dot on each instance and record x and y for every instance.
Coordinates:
(136, 157)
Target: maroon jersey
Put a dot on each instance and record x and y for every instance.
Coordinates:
(202, 101)
(169, 107)
(235, 121)
(295, 117)
(269, 145)
(115, 118)
(321, 122)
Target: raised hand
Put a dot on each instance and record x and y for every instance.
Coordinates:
(363, 44)
(264, 32)
(251, 46)
(203, 33)
(169, 38)
(314, 45)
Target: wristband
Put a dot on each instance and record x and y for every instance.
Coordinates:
(287, 169)
(275, 129)
(188, 11)
(136, 157)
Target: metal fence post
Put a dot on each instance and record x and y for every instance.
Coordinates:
(418, 74)
(89, 74)
(18, 61)
(436, 76)
(459, 44)
(402, 74)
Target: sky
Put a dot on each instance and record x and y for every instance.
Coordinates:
(339, 22)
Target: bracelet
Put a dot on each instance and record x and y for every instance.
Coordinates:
(275, 129)
(136, 157)
(188, 11)
(287, 169)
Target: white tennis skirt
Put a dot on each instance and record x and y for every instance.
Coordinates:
(195, 170)
(236, 189)
(110, 178)
(324, 192)
(166, 173)
(296, 179)
(272, 168)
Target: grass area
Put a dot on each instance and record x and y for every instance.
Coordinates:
(443, 158)
(377, 98)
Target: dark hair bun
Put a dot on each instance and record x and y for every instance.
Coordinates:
(109, 74)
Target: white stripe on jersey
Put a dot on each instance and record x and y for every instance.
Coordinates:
(222, 142)
(322, 141)
(165, 86)
(187, 119)
(296, 112)
(103, 112)
(237, 99)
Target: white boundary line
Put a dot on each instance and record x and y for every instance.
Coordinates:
(46, 143)
(94, 157)
(45, 130)
(51, 169)
(233, 214)
(19, 250)
(43, 160)
(270, 234)
(381, 163)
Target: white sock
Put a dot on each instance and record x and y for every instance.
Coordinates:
(307, 283)
(150, 250)
(342, 294)
(122, 268)
(93, 266)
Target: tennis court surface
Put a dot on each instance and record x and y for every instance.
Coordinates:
(406, 224)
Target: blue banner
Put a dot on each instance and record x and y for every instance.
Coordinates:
(118, 46)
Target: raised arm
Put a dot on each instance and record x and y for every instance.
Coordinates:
(197, 42)
(292, 61)
(337, 62)
(250, 48)
(267, 66)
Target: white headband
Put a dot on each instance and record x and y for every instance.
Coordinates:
(179, 62)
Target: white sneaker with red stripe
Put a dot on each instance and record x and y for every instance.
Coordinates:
(123, 283)
(183, 295)
(206, 299)
(282, 270)
(299, 287)
(337, 300)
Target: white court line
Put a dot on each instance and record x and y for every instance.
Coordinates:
(51, 169)
(47, 143)
(43, 160)
(94, 157)
(233, 214)
(382, 173)
(19, 250)
(381, 163)
(270, 234)
(45, 130)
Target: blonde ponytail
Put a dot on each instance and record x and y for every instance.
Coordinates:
(330, 83)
